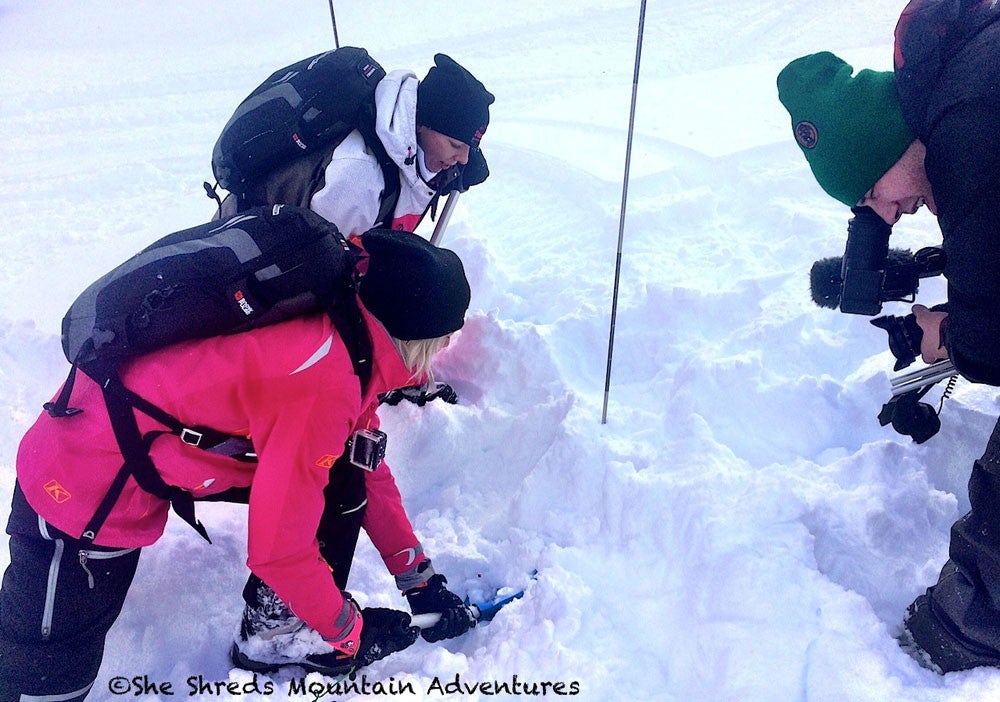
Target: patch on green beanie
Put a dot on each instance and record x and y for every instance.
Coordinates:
(850, 128)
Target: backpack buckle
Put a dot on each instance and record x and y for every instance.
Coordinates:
(191, 437)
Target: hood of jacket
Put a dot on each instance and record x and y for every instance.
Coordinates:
(396, 121)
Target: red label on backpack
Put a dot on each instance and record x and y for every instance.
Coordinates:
(243, 303)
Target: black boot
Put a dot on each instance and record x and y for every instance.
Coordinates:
(271, 637)
(935, 646)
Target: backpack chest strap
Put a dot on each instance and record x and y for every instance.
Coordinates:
(121, 404)
(205, 438)
(137, 465)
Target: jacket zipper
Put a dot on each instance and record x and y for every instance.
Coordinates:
(48, 608)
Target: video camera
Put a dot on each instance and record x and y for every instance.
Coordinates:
(867, 275)
(870, 273)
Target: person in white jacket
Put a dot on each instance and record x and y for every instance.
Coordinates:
(430, 130)
(427, 127)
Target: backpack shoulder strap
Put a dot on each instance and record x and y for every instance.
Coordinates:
(390, 171)
(138, 465)
(345, 314)
(390, 196)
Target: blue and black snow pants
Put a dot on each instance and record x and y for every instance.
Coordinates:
(59, 598)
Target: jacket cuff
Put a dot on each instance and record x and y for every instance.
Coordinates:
(405, 560)
(416, 576)
(348, 624)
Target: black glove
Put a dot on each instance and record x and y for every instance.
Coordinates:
(385, 631)
(910, 417)
(475, 171)
(904, 337)
(461, 177)
(418, 395)
(433, 596)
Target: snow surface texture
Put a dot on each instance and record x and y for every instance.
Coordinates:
(741, 529)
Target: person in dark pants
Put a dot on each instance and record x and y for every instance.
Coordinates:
(58, 600)
(928, 133)
(291, 387)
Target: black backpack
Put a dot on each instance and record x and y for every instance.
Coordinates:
(258, 268)
(298, 114)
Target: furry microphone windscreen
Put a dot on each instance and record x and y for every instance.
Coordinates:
(825, 282)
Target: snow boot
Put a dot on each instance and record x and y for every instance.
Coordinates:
(934, 646)
(271, 637)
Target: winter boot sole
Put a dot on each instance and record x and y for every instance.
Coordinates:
(240, 660)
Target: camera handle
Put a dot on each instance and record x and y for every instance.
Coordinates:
(928, 375)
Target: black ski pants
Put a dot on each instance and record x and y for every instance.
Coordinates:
(966, 598)
(60, 596)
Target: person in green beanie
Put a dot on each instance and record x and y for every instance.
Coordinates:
(850, 128)
(868, 156)
(928, 133)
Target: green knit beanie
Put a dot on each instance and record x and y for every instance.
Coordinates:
(851, 129)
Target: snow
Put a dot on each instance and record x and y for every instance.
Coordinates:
(741, 529)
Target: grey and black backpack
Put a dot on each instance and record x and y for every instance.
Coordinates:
(258, 268)
(278, 142)
(277, 145)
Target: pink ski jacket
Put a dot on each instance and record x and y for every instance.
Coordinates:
(289, 387)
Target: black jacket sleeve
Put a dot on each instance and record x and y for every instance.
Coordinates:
(948, 78)
(963, 165)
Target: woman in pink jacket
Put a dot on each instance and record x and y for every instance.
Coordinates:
(291, 388)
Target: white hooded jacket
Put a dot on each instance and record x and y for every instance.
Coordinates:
(353, 181)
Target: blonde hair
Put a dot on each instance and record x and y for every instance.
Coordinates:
(419, 353)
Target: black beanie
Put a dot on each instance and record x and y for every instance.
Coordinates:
(450, 100)
(417, 290)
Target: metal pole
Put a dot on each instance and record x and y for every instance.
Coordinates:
(442, 222)
(621, 220)
(333, 20)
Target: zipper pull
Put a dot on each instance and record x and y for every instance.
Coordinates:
(207, 483)
(83, 564)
